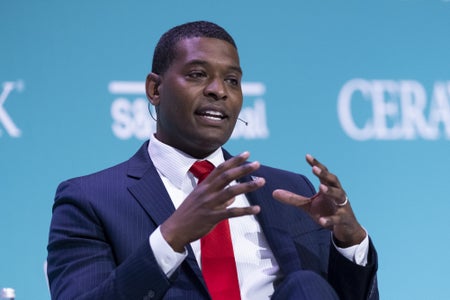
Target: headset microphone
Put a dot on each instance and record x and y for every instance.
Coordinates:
(245, 122)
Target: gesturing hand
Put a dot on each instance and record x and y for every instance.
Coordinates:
(329, 207)
(208, 203)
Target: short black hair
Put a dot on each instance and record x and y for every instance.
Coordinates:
(164, 53)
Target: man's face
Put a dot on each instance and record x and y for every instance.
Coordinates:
(199, 97)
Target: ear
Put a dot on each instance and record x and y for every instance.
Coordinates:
(152, 88)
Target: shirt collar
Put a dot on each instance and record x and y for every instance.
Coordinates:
(175, 164)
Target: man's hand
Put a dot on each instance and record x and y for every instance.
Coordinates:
(329, 207)
(208, 203)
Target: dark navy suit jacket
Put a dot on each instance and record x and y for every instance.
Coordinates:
(99, 249)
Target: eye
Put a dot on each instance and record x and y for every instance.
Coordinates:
(233, 81)
(196, 74)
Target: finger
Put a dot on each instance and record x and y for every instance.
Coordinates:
(231, 170)
(290, 198)
(329, 221)
(327, 178)
(312, 161)
(336, 195)
(226, 195)
(234, 212)
(343, 203)
(322, 172)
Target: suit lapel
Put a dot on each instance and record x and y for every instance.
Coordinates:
(150, 192)
(149, 189)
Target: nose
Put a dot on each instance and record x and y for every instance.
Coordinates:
(216, 89)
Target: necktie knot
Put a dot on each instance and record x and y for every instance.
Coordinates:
(201, 169)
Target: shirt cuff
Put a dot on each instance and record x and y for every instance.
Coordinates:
(168, 259)
(357, 253)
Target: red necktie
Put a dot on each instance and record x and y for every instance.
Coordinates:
(217, 257)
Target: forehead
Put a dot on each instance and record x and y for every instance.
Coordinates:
(207, 50)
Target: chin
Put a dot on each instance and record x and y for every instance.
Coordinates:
(210, 144)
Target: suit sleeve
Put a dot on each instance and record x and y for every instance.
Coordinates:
(352, 281)
(81, 261)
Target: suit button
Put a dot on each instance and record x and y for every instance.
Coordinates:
(151, 294)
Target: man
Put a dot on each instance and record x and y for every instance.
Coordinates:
(137, 230)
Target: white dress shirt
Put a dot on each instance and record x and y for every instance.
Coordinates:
(256, 266)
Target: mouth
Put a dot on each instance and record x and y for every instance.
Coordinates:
(212, 115)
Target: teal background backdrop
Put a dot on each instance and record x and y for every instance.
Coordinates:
(362, 85)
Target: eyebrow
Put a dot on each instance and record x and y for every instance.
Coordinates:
(205, 63)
